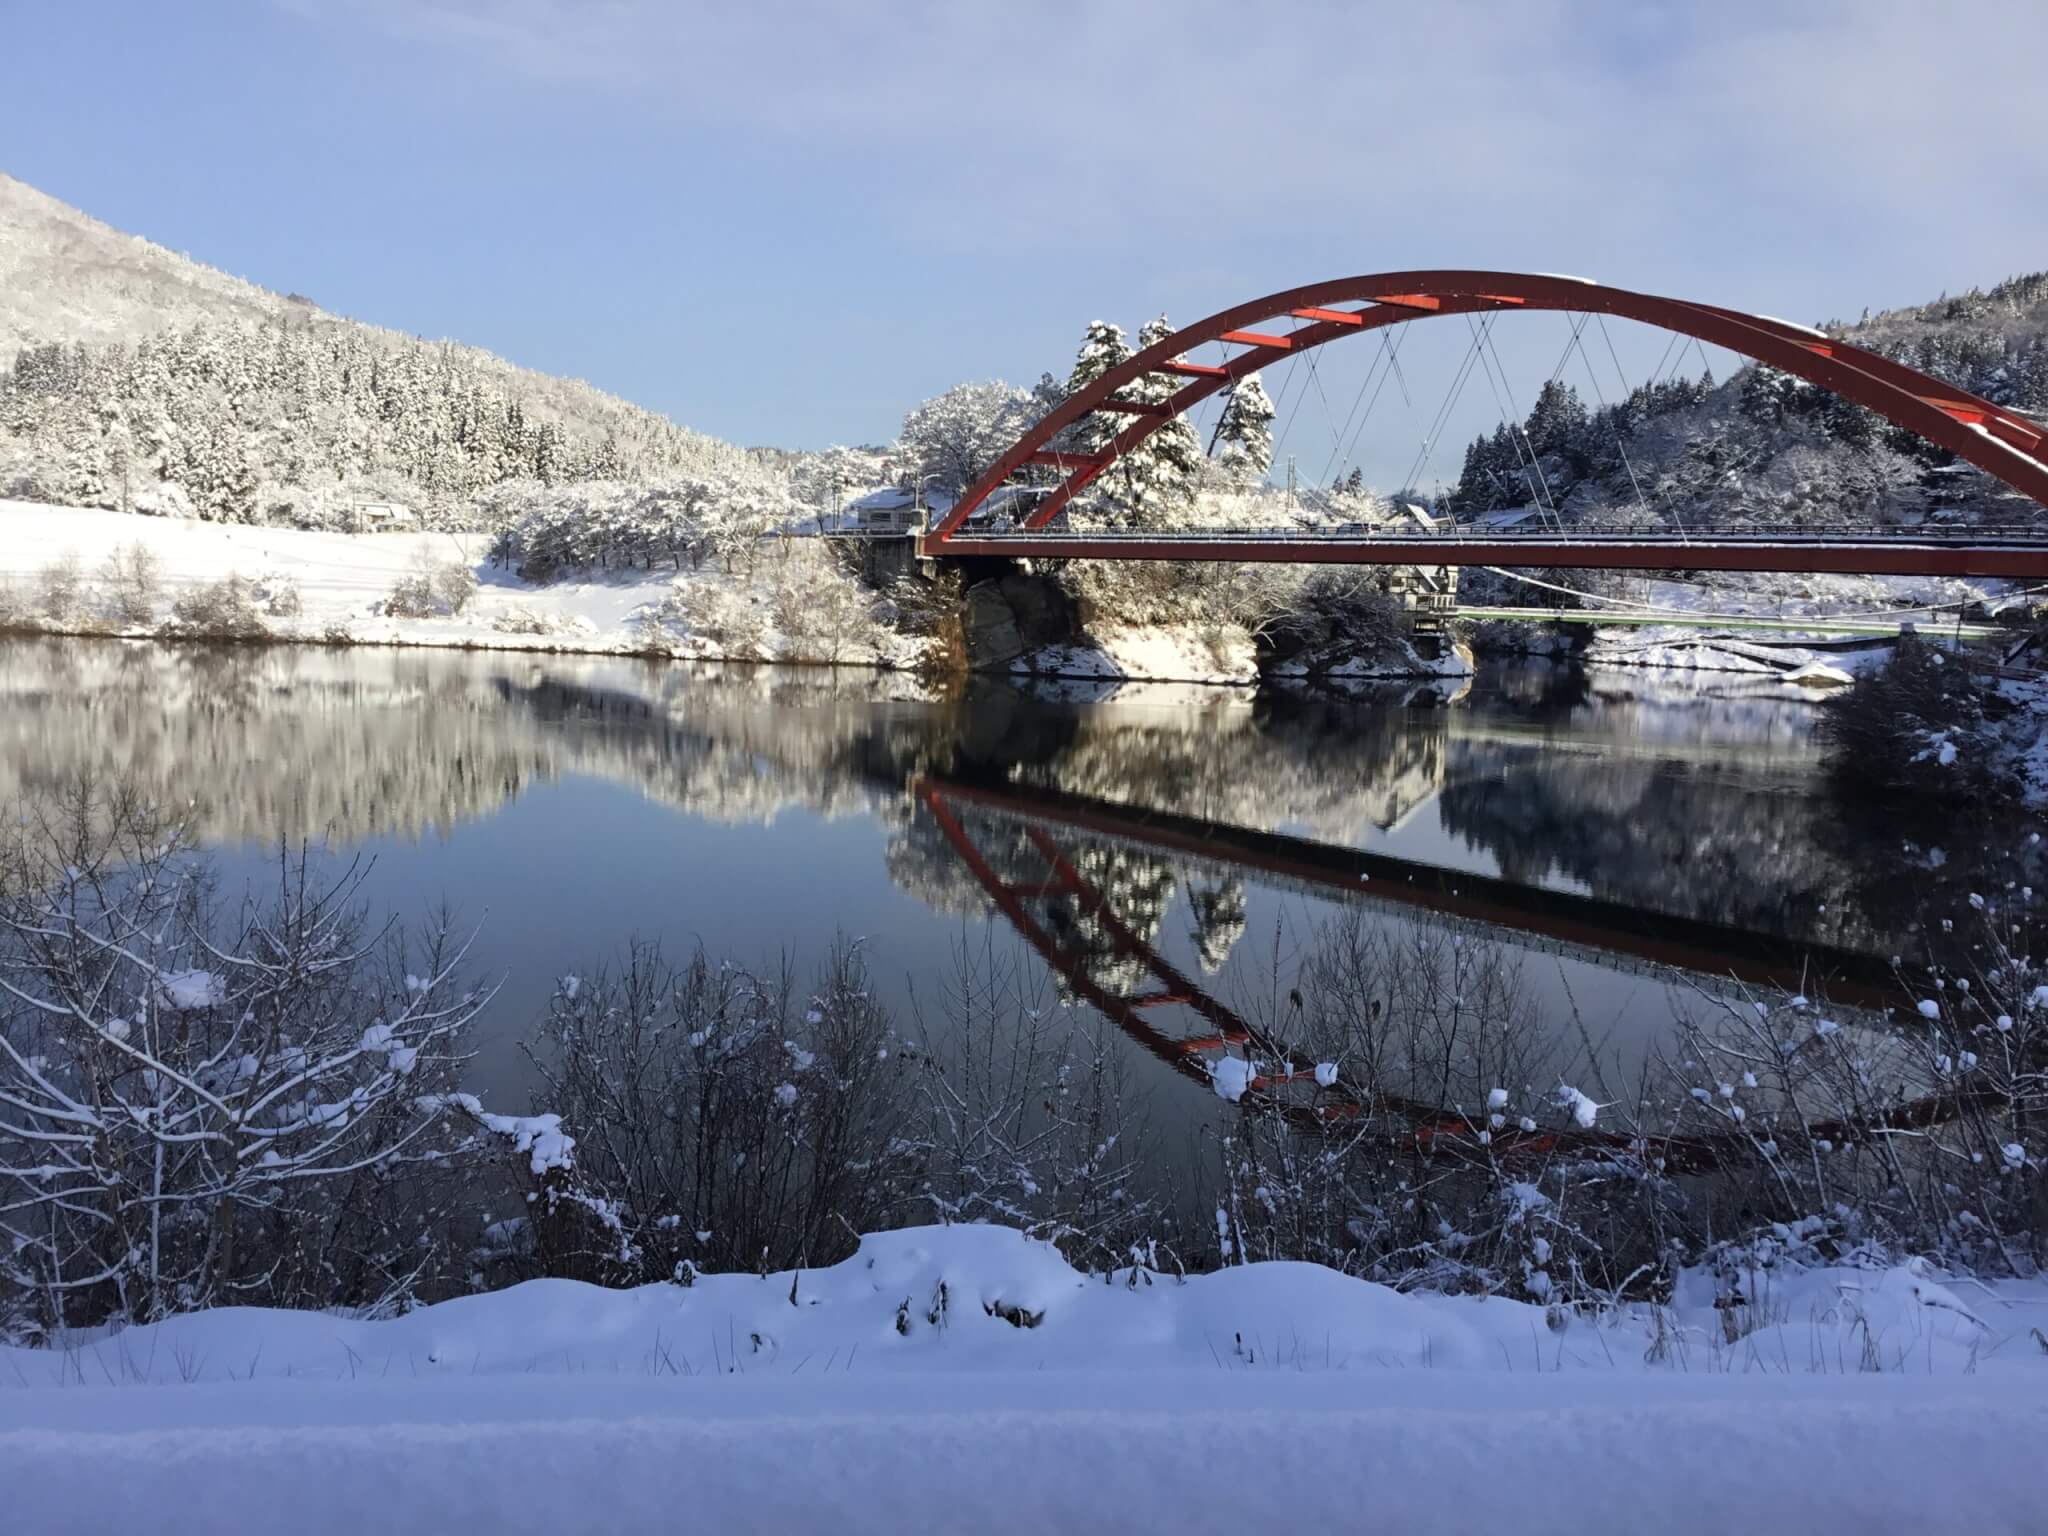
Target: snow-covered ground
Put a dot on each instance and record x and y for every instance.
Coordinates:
(965, 1378)
(343, 579)
(1159, 654)
(1927, 602)
(1690, 650)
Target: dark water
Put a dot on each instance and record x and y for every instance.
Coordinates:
(567, 804)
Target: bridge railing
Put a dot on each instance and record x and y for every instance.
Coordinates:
(1996, 533)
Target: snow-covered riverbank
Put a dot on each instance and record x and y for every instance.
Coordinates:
(341, 585)
(965, 1378)
(337, 588)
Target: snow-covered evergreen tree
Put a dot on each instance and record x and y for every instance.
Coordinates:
(1102, 348)
(1147, 484)
(1155, 480)
(1244, 433)
(1557, 421)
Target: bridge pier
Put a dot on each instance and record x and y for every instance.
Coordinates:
(879, 559)
(1429, 600)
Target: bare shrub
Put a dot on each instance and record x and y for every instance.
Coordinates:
(1424, 1025)
(1926, 1134)
(279, 596)
(1915, 724)
(1128, 591)
(226, 608)
(131, 585)
(455, 585)
(432, 589)
(521, 619)
(412, 596)
(823, 612)
(1025, 1117)
(934, 611)
(1332, 615)
(206, 1104)
(726, 1120)
(729, 618)
(60, 588)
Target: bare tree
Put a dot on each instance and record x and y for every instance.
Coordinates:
(198, 1106)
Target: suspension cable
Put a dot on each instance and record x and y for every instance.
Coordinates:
(1337, 461)
(1614, 416)
(1390, 348)
(1451, 398)
(1525, 451)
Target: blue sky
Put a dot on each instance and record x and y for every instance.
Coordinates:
(786, 223)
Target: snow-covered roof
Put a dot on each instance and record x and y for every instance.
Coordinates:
(894, 498)
(890, 498)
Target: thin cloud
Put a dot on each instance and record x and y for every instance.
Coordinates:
(1515, 125)
(1801, 157)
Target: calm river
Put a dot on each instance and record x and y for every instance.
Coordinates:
(1595, 822)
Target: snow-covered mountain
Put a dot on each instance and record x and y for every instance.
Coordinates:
(139, 376)
(65, 276)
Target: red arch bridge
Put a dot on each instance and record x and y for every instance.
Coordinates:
(1166, 379)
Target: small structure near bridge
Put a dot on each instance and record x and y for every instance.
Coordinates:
(891, 510)
(380, 517)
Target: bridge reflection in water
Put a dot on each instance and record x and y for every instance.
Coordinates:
(1072, 922)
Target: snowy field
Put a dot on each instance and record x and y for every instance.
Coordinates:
(964, 1378)
(343, 579)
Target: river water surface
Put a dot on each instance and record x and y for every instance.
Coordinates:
(1596, 823)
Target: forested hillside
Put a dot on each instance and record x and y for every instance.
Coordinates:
(1764, 446)
(145, 381)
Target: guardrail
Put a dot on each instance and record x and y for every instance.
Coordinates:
(2002, 534)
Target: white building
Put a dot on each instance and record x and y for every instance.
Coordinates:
(889, 510)
(381, 517)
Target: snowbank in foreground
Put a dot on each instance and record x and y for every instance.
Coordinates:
(966, 1378)
(1036, 1454)
(343, 579)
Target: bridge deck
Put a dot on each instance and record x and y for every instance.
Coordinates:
(2016, 553)
(1820, 624)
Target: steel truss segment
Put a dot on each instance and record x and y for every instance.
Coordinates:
(1257, 339)
(2000, 442)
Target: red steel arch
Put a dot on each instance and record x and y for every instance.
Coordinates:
(1999, 441)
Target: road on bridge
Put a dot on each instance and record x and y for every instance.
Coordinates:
(2017, 553)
